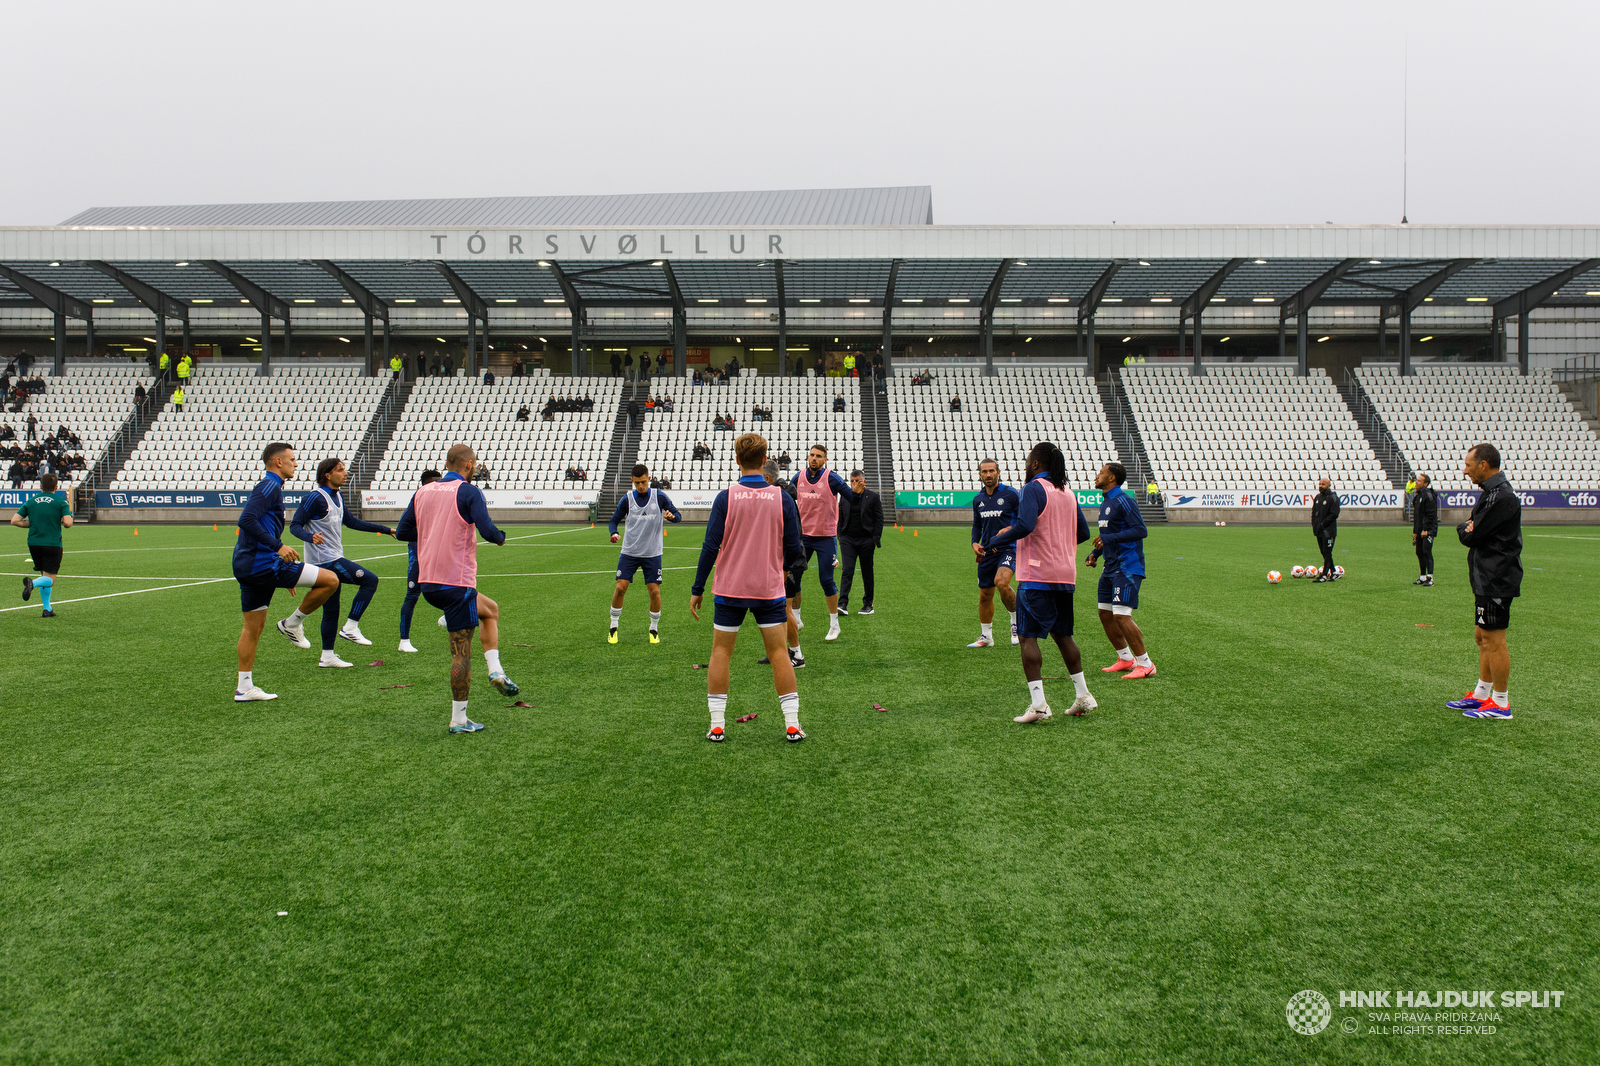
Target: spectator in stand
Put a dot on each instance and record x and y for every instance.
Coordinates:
(586, 404)
(523, 413)
(616, 365)
(696, 379)
(7, 433)
(732, 367)
(784, 461)
(644, 366)
(488, 377)
(666, 404)
(955, 403)
(627, 364)
(821, 367)
(480, 476)
(516, 367)
(33, 427)
(838, 402)
(16, 474)
(633, 414)
(138, 394)
(718, 424)
(178, 396)
(702, 450)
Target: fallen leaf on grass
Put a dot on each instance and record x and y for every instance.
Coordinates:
(746, 718)
(396, 686)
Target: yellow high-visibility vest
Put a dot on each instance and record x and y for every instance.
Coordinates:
(165, 362)
(394, 364)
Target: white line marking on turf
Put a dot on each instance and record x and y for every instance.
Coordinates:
(105, 577)
(131, 592)
(1558, 536)
(577, 573)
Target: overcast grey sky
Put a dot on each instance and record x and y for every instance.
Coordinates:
(1014, 113)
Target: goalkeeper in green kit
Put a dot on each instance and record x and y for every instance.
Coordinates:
(44, 517)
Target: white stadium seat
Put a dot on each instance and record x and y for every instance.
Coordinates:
(1441, 411)
(1245, 427)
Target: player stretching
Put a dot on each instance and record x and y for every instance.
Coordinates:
(1047, 531)
(44, 517)
(319, 521)
(262, 563)
(1121, 542)
(413, 588)
(992, 510)
(642, 547)
(752, 537)
(817, 491)
(445, 518)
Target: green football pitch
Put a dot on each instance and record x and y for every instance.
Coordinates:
(1288, 805)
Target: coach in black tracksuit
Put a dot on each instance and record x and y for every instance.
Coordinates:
(1325, 525)
(1424, 526)
(860, 533)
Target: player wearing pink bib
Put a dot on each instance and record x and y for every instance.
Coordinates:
(444, 518)
(1047, 530)
(817, 491)
(752, 537)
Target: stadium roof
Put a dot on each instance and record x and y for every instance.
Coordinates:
(909, 205)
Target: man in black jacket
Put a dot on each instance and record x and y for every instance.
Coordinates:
(1493, 536)
(860, 534)
(1424, 526)
(1325, 526)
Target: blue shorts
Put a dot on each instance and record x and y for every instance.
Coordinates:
(1044, 612)
(628, 565)
(990, 565)
(256, 589)
(825, 549)
(728, 612)
(1119, 592)
(459, 604)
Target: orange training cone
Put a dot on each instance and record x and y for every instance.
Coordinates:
(913, 532)
(213, 527)
(136, 531)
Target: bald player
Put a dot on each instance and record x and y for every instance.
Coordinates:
(444, 518)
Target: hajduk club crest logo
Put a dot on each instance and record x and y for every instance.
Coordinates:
(1309, 1012)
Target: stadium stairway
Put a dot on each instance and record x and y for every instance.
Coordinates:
(877, 446)
(120, 447)
(624, 453)
(1130, 445)
(370, 453)
(1378, 436)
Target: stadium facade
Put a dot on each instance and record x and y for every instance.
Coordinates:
(767, 273)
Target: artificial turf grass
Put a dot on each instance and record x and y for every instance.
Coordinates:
(1286, 805)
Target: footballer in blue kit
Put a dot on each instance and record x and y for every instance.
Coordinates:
(262, 564)
(993, 509)
(1120, 542)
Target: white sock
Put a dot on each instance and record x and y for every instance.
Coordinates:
(1036, 692)
(833, 619)
(247, 680)
(655, 621)
(1142, 660)
(1125, 654)
(329, 656)
(1482, 691)
(1079, 683)
(789, 704)
(1011, 619)
(797, 622)
(616, 616)
(492, 657)
(987, 627)
(796, 651)
(719, 710)
(458, 711)
(349, 625)
(294, 619)
(1503, 698)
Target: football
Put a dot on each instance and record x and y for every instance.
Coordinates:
(1273, 577)
(1298, 571)
(1338, 571)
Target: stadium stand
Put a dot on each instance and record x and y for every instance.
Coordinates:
(1248, 428)
(215, 441)
(802, 415)
(1441, 411)
(531, 455)
(936, 449)
(92, 401)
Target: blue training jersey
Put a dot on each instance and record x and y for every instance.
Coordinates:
(260, 528)
(992, 513)
(1122, 532)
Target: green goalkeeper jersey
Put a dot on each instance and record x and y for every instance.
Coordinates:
(44, 514)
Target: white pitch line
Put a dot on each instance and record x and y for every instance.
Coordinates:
(577, 573)
(105, 577)
(1559, 536)
(110, 595)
